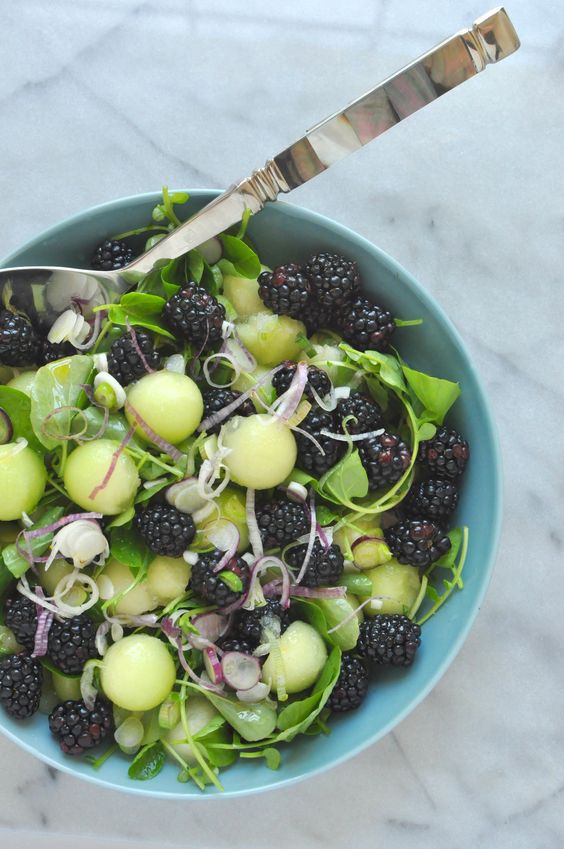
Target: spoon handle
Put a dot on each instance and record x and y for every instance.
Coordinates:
(491, 38)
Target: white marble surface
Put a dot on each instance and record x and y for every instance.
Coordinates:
(102, 98)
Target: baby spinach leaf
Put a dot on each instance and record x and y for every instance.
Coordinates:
(385, 366)
(120, 316)
(57, 385)
(128, 547)
(426, 431)
(243, 258)
(356, 583)
(314, 615)
(18, 406)
(196, 265)
(336, 611)
(434, 393)
(253, 722)
(148, 762)
(16, 564)
(346, 480)
(142, 305)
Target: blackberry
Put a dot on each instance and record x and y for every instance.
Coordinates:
(334, 280)
(216, 399)
(165, 530)
(51, 351)
(352, 685)
(195, 315)
(71, 643)
(431, 499)
(210, 587)
(19, 343)
(281, 522)
(21, 679)
(417, 542)
(324, 567)
(310, 458)
(235, 644)
(78, 729)
(285, 290)
(446, 454)
(317, 316)
(124, 361)
(366, 326)
(111, 254)
(20, 615)
(385, 459)
(365, 410)
(316, 379)
(251, 622)
(389, 639)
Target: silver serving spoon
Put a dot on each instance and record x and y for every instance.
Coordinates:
(49, 291)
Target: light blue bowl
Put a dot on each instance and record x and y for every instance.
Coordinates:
(283, 232)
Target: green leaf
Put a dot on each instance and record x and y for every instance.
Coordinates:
(196, 265)
(232, 580)
(356, 583)
(326, 516)
(148, 762)
(122, 518)
(253, 722)
(385, 366)
(18, 406)
(244, 222)
(435, 394)
(18, 565)
(245, 260)
(57, 385)
(346, 480)
(412, 322)
(128, 547)
(426, 431)
(336, 611)
(119, 316)
(270, 754)
(142, 305)
(453, 561)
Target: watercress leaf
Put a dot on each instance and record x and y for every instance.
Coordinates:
(148, 762)
(142, 305)
(326, 516)
(426, 431)
(122, 518)
(300, 477)
(269, 753)
(18, 407)
(56, 385)
(377, 390)
(346, 480)
(153, 240)
(253, 722)
(385, 366)
(16, 564)
(196, 265)
(146, 494)
(179, 197)
(245, 260)
(244, 223)
(127, 546)
(212, 279)
(436, 394)
(210, 728)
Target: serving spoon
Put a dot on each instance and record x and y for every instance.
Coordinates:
(48, 291)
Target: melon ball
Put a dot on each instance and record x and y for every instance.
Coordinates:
(398, 583)
(49, 578)
(170, 403)
(140, 599)
(198, 713)
(23, 382)
(270, 338)
(167, 578)
(263, 450)
(85, 470)
(138, 672)
(242, 292)
(22, 480)
(303, 656)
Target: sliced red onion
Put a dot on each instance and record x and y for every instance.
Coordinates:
(225, 355)
(153, 483)
(254, 694)
(234, 346)
(342, 392)
(311, 540)
(254, 533)
(261, 566)
(27, 521)
(48, 529)
(221, 415)
(44, 622)
(288, 402)
(137, 347)
(213, 665)
(323, 537)
(352, 437)
(295, 492)
(67, 436)
(211, 250)
(185, 496)
(175, 635)
(101, 641)
(366, 539)
(329, 402)
(87, 689)
(65, 585)
(353, 613)
(240, 671)
(211, 626)
(115, 458)
(318, 592)
(165, 446)
(175, 363)
(205, 512)
(6, 428)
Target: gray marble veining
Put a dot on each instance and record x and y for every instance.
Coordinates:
(102, 98)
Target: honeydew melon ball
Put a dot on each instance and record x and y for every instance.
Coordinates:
(49, 578)
(399, 582)
(263, 450)
(86, 468)
(198, 713)
(170, 403)
(23, 382)
(271, 338)
(65, 686)
(232, 507)
(247, 380)
(303, 656)
(167, 577)
(138, 672)
(140, 599)
(242, 292)
(369, 553)
(22, 480)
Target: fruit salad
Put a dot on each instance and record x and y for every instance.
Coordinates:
(226, 500)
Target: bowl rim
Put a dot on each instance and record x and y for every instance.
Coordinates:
(295, 211)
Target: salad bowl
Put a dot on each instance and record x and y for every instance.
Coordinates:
(281, 231)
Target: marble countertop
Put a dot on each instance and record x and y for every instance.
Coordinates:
(103, 98)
